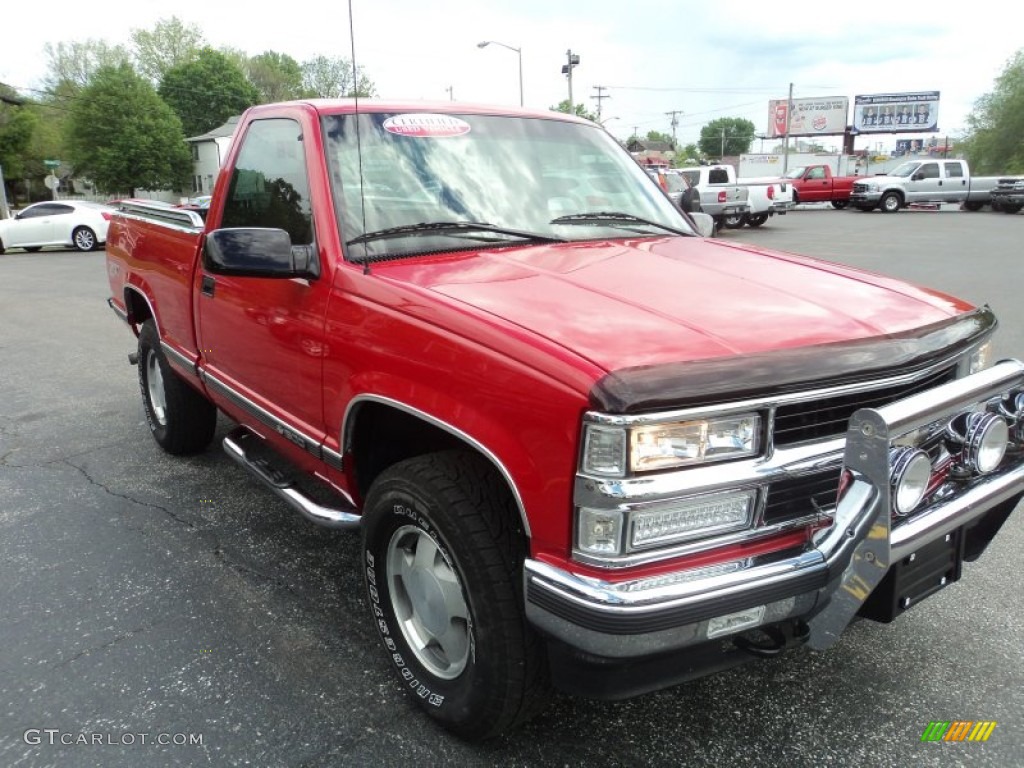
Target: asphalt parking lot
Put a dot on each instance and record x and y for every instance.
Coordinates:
(144, 594)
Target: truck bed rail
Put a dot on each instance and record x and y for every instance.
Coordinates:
(176, 217)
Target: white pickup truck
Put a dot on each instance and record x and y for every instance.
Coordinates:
(924, 181)
(765, 197)
(720, 196)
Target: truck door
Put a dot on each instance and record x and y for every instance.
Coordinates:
(955, 182)
(263, 338)
(925, 184)
(815, 187)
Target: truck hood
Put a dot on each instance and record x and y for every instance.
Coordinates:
(653, 301)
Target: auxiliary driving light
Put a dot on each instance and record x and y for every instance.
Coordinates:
(910, 471)
(1012, 409)
(982, 439)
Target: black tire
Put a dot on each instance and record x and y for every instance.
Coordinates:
(34, 248)
(757, 219)
(2, 249)
(734, 221)
(185, 421)
(865, 208)
(973, 205)
(1012, 207)
(84, 239)
(796, 198)
(840, 204)
(997, 205)
(890, 202)
(452, 510)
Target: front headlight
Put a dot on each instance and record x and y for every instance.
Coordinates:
(615, 450)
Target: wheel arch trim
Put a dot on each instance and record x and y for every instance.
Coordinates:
(132, 320)
(348, 426)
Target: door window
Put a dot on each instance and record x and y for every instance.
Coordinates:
(816, 173)
(928, 171)
(269, 184)
(954, 170)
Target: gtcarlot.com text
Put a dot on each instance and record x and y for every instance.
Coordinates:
(55, 736)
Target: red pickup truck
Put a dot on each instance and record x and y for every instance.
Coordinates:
(816, 184)
(584, 446)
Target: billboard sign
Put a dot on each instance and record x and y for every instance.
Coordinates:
(811, 117)
(897, 112)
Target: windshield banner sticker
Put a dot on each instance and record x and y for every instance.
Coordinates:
(425, 125)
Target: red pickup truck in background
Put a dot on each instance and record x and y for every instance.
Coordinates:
(816, 184)
(584, 446)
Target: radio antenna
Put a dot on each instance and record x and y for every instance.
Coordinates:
(359, 144)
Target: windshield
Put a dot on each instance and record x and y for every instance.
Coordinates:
(796, 173)
(675, 183)
(510, 173)
(904, 170)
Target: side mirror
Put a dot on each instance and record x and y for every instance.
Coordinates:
(705, 224)
(258, 252)
(917, 177)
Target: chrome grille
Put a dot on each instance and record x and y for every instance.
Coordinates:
(797, 497)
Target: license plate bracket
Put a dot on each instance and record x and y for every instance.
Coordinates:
(916, 577)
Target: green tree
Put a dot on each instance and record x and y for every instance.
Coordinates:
(123, 136)
(17, 126)
(276, 76)
(170, 43)
(580, 111)
(726, 136)
(324, 77)
(662, 137)
(207, 91)
(995, 137)
(71, 65)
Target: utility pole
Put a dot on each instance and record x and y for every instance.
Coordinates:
(599, 97)
(722, 153)
(4, 210)
(785, 141)
(573, 60)
(674, 122)
(451, 92)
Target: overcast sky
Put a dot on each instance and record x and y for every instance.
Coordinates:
(704, 59)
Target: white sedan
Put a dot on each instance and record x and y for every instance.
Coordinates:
(76, 223)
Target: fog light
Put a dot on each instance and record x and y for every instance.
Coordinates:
(599, 532)
(691, 518)
(982, 439)
(910, 471)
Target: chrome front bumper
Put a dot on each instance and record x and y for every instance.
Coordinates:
(826, 583)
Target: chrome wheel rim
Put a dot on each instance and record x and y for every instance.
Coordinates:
(84, 239)
(427, 599)
(155, 388)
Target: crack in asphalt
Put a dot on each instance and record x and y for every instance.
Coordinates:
(115, 494)
(245, 570)
(100, 647)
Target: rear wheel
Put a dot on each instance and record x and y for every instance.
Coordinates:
(33, 248)
(890, 202)
(181, 419)
(840, 204)
(973, 205)
(734, 220)
(757, 219)
(83, 238)
(1012, 207)
(443, 556)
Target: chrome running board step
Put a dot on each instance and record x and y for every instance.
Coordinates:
(249, 451)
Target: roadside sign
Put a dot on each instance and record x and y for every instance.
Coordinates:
(51, 163)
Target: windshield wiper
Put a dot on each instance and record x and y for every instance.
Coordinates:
(451, 227)
(614, 219)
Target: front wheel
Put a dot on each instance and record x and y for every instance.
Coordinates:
(83, 238)
(890, 202)
(1012, 207)
(443, 553)
(757, 219)
(865, 208)
(973, 205)
(840, 204)
(181, 419)
(734, 220)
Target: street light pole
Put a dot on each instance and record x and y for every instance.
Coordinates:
(519, 53)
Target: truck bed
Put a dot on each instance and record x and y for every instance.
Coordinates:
(153, 249)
